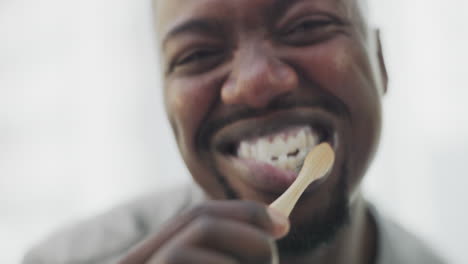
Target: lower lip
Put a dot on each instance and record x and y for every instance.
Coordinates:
(270, 179)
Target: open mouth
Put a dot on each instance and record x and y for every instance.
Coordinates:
(267, 152)
(284, 148)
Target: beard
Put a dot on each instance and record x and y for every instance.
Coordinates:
(321, 229)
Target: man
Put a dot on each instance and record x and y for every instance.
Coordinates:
(250, 87)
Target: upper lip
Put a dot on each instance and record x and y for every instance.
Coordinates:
(226, 139)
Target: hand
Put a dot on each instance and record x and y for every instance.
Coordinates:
(217, 232)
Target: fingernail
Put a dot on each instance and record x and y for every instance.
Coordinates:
(280, 223)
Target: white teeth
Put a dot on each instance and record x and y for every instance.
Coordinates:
(277, 147)
(302, 154)
(263, 153)
(244, 150)
(311, 140)
(274, 149)
(302, 138)
(282, 161)
(290, 164)
(253, 151)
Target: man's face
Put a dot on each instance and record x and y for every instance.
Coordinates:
(252, 85)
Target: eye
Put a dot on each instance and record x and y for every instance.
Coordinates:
(309, 31)
(196, 56)
(308, 25)
(197, 60)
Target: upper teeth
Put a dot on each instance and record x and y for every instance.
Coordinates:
(285, 150)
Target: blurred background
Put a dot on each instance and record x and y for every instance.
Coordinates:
(82, 126)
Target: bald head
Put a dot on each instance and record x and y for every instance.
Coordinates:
(358, 10)
(237, 70)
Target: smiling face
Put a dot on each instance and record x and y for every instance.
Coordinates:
(252, 85)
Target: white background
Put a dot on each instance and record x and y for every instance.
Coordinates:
(82, 126)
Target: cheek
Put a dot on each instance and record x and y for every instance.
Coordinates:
(188, 102)
(341, 68)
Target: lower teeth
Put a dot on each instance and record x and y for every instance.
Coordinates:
(286, 150)
(291, 161)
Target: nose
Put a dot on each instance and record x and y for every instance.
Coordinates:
(257, 79)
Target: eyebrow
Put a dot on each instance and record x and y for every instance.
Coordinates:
(198, 25)
(209, 25)
(283, 5)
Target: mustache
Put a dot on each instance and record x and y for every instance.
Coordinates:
(237, 113)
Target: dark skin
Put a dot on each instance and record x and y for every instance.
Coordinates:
(235, 67)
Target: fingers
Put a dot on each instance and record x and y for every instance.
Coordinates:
(243, 230)
(194, 256)
(244, 243)
(248, 212)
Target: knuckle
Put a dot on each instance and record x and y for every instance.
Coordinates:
(172, 256)
(204, 226)
(262, 252)
(256, 213)
(201, 209)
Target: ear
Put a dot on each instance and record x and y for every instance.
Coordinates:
(383, 68)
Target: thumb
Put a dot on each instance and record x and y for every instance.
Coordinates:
(280, 223)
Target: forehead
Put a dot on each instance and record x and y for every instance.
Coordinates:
(169, 13)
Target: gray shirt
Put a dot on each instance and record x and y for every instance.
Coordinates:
(106, 238)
